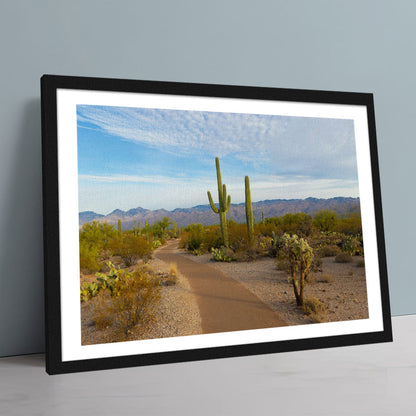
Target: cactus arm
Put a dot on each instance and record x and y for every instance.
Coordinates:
(211, 202)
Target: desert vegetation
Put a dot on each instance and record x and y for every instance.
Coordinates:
(119, 289)
(312, 258)
(297, 241)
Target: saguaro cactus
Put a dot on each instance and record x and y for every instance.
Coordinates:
(224, 203)
(249, 212)
(119, 227)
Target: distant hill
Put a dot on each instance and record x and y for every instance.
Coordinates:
(203, 213)
(87, 216)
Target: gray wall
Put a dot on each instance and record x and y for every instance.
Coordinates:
(358, 45)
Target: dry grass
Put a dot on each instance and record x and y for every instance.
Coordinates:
(315, 309)
(325, 278)
(172, 276)
(343, 258)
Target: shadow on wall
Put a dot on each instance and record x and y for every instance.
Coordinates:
(21, 254)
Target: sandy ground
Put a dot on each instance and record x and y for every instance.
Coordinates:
(345, 297)
(177, 314)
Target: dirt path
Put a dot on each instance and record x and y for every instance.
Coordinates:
(224, 304)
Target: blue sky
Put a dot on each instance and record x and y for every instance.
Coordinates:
(155, 158)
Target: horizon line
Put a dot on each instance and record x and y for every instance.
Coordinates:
(202, 205)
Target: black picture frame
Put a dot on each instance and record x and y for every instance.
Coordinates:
(52, 189)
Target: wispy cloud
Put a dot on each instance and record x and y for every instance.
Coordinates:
(165, 158)
(318, 147)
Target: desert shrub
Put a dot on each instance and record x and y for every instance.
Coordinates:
(350, 224)
(326, 220)
(315, 309)
(129, 302)
(325, 278)
(159, 228)
(343, 258)
(99, 311)
(328, 251)
(88, 257)
(194, 242)
(361, 263)
(249, 254)
(97, 234)
(222, 254)
(212, 238)
(267, 227)
(192, 237)
(132, 248)
(237, 236)
(298, 223)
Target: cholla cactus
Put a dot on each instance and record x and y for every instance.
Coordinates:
(224, 203)
(300, 256)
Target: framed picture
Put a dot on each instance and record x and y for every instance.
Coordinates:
(191, 221)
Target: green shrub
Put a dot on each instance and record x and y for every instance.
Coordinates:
(326, 220)
(132, 248)
(98, 234)
(343, 258)
(88, 257)
(192, 237)
(212, 238)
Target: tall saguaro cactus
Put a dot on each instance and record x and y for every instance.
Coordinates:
(224, 203)
(249, 212)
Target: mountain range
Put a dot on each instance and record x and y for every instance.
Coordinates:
(203, 213)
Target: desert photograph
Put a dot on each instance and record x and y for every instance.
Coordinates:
(203, 222)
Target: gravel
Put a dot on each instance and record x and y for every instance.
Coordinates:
(344, 298)
(177, 314)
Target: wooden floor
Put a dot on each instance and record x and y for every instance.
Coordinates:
(378, 379)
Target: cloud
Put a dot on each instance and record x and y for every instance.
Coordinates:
(276, 144)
